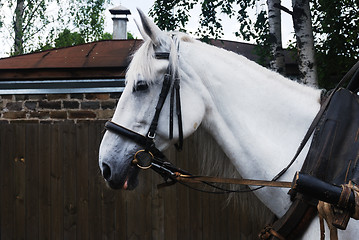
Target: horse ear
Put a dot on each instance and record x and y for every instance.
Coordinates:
(158, 37)
(142, 31)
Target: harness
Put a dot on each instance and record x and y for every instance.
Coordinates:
(151, 156)
(299, 215)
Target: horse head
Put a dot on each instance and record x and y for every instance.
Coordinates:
(155, 66)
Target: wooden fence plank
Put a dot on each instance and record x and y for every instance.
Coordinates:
(57, 193)
(108, 206)
(95, 183)
(7, 194)
(157, 213)
(20, 182)
(170, 204)
(183, 205)
(139, 209)
(32, 182)
(196, 221)
(44, 180)
(70, 164)
(82, 178)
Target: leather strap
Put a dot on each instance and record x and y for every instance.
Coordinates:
(162, 98)
(247, 182)
(176, 87)
(136, 137)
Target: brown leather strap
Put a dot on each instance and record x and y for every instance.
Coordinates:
(269, 232)
(248, 182)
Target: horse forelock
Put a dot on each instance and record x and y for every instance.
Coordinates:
(141, 66)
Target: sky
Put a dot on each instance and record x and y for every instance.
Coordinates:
(230, 25)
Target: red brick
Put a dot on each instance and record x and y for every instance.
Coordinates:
(105, 114)
(58, 114)
(40, 115)
(14, 106)
(50, 105)
(108, 104)
(24, 121)
(99, 96)
(82, 114)
(51, 97)
(90, 105)
(14, 115)
(8, 97)
(71, 104)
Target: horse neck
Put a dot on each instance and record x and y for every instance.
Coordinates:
(257, 116)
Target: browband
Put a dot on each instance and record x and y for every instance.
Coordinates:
(162, 55)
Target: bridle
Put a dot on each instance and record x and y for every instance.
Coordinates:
(150, 155)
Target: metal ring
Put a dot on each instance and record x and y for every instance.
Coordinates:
(135, 160)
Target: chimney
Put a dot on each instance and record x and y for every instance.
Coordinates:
(119, 17)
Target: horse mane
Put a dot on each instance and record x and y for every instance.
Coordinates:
(212, 161)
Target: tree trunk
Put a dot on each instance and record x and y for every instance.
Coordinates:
(18, 27)
(305, 41)
(275, 36)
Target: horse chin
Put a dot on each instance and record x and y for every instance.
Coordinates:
(131, 181)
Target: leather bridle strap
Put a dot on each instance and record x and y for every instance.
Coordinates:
(176, 91)
(163, 95)
(136, 137)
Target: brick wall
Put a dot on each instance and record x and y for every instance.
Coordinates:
(58, 107)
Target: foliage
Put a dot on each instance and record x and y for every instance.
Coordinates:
(129, 36)
(40, 23)
(174, 15)
(336, 27)
(166, 18)
(88, 18)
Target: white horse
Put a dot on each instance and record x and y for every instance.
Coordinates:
(257, 116)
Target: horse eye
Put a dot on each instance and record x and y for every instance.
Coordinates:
(141, 86)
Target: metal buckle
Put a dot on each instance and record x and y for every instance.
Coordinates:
(151, 137)
(143, 163)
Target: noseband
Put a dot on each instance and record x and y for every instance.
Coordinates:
(144, 158)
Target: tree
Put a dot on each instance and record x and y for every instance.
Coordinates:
(275, 36)
(266, 32)
(26, 13)
(170, 15)
(37, 23)
(302, 22)
(174, 15)
(336, 29)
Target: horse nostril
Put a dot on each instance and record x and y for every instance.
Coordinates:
(106, 171)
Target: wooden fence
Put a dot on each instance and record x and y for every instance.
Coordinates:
(51, 188)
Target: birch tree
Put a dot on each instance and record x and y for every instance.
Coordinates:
(302, 23)
(275, 36)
